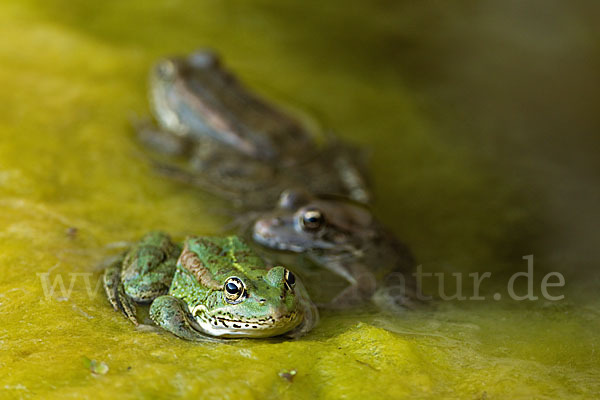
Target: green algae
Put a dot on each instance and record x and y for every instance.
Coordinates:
(73, 76)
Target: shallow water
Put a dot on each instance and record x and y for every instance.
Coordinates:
(466, 109)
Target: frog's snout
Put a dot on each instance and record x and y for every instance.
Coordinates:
(264, 227)
(278, 312)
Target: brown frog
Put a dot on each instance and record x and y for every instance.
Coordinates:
(346, 239)
(234, 143)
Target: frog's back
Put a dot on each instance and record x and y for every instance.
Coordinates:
(260, 120)
(226, 254)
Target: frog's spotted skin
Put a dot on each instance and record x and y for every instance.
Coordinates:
(213, 286)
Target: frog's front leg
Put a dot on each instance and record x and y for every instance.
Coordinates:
(362, 283)
(163, 142)
(115, 292)
(142, 274)
(397, 293)
(172, 314)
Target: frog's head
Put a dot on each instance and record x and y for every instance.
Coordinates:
(171, 70)
(190, 96)
(302, 223)
(171, 97)
(244, 298)
(167, 81)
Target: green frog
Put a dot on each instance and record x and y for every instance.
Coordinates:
(345, 238)
(209, 287)
(235, 144)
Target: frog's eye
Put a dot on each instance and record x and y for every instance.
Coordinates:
(167, 70)
(290, 279)
(312, 220)
(203, 59)
(234, 290)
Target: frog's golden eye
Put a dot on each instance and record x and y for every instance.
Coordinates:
(234, 290)
(312, 219)
(290, 279)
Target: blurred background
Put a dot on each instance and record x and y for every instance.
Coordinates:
(482, 121)
(435, 88)
(490, 107)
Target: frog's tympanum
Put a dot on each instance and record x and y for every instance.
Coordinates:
(345, 238)
(209, 287)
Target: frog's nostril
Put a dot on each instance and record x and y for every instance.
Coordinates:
(262, 301)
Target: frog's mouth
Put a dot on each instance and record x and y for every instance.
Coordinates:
(239, 326)
(276, 233)
(269, 233)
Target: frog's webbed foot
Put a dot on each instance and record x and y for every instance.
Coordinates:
(362, 282)
(169, 144)
(116, 293)
(196, 180)
(350, 297)
(396, 299)
(171, 314)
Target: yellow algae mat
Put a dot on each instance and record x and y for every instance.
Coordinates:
(75, 187)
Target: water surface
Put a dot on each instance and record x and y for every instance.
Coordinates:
(482, 121)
